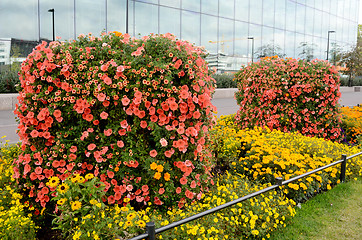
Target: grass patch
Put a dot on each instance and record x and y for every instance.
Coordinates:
(335, 214)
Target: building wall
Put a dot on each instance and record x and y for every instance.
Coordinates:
(221, 26)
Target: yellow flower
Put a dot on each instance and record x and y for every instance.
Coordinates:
(255, 232)
(153, 166)
(61, 201)
(157, 175)
(53, 182)
(159, 168)
(76, 235)
(76, 205)
(141, 223)
(89, 176)
(93, 202)
(167, 177)
(63, 188)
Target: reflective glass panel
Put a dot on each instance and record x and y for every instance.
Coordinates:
(63, 19)
(192, 5)
(309, 21)
(256, 11)
(317, 30)
(171, 3)
(90, 17)
(226, 36)
(209, 33)
(190, 27)
(290, 18)
(255, 31)
(116, 19)
(290, 44)
(170, 21)
(280, 14)
(146, 18)
(268, 13)
(300, 19)
(241, 39)
(19, 19)
(279, 40)
(209, 7)
(226, 8)
(242, 10)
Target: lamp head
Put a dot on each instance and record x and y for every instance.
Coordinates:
(51, 10)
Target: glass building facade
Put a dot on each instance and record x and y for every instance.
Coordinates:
(223, 27)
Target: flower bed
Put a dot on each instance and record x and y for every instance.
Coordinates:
(290, 95)
(352, 124)
(263, 154)
(133, 112)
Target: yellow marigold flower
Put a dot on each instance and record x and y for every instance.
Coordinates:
(167, 177)
(53, 182)
(76, 205)
(63, 188)
(93, 202)
(157, 175)
(153, 166)
(126, 200)
(89, 176)
(255, 232)
(159, 168)
(61, 201)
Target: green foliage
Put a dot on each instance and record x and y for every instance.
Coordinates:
(133, 112)
(9, 79)
(224, 80)
(290, 95)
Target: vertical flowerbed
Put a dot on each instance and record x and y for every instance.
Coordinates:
(134, 112)
(290, 95)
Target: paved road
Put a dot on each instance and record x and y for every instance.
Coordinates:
(225, 106)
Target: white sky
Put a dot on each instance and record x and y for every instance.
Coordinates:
(360, 13)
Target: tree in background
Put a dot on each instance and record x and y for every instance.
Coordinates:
(269, 50)
(353, 60)
(307, 51)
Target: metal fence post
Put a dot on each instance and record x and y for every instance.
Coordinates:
(150, 227)
(342, 177)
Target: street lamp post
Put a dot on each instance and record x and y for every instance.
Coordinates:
(127, 16)
(52, 11)
(252, 49)
(328, 42)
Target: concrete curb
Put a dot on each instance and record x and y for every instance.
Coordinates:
(8, 100)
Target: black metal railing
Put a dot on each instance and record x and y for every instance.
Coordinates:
(151, 231)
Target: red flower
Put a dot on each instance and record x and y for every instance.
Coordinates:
(153, 153)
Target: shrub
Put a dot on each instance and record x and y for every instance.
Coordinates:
(14, 222)
(9, 79)
(290, 95)
(352, 124)
(263, 155)
(224, 80)
(134, 112)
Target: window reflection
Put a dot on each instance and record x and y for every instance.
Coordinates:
(116, 19)
(226, 36)
(256, 10)
(241, 39)
(268, 13)
(146, 19)
(19, 19)
(192, 5)
(290, 16)
(63, 19)
(170, 21)
(190, 27)
(209, 33)
(242, 10)
(300, 18)
(90, 17)
(209, 7)
(171, 3)
(226, 8)
(280, 14)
